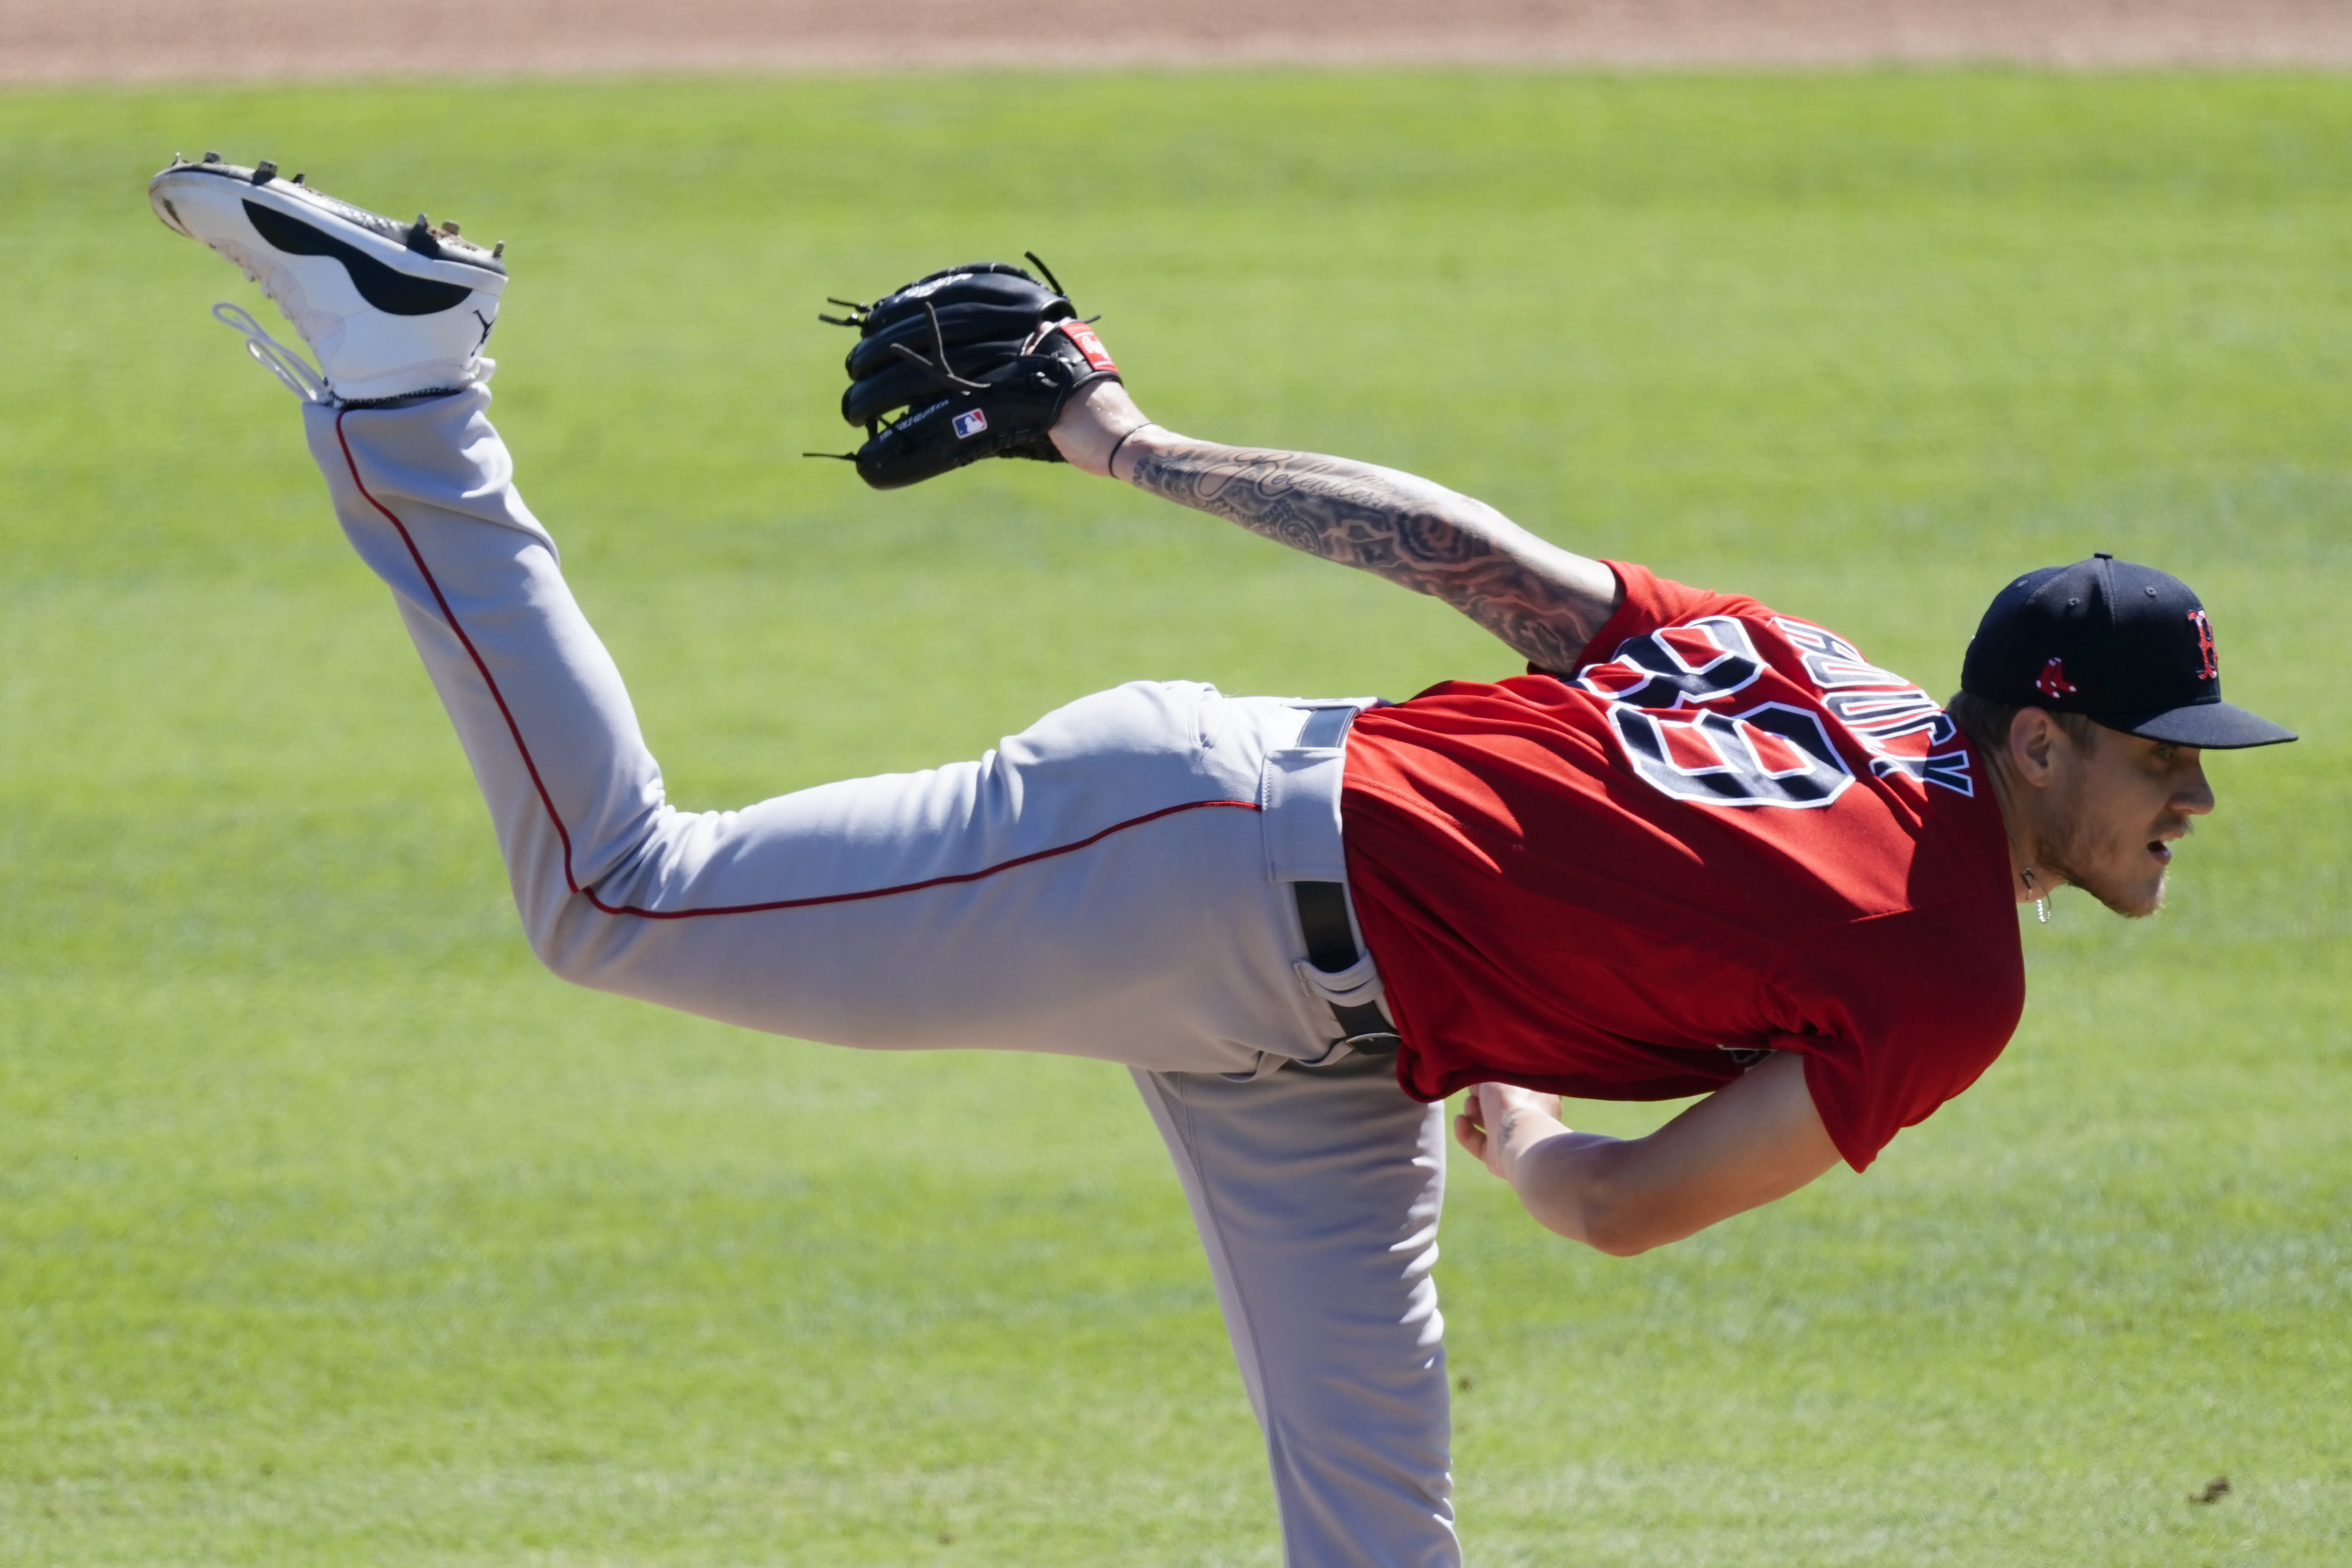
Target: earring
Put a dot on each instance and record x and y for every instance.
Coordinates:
(2040, 898)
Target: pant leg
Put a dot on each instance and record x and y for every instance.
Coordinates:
(1098, 886)
(1316, 1191)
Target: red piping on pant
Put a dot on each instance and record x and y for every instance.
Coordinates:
(564, 836)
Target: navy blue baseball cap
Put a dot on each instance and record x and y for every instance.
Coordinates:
(2124, 646)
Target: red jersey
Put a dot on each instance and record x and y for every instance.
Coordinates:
(1731, 833)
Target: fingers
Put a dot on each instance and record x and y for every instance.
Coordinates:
(1470, 1125)
(1481, 1124)
(1471, 1136)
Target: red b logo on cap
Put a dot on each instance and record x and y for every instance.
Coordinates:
(2208, 667)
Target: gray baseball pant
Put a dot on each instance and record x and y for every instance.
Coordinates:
(1112, 882)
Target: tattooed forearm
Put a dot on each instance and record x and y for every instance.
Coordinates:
(1538, 599)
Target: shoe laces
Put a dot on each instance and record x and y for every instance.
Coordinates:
(290, 367)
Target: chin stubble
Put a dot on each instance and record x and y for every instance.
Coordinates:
(2064, 858)
(2060, 865)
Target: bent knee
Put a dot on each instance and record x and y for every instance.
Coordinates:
(576, 941)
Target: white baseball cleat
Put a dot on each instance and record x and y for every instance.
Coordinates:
(390, 309)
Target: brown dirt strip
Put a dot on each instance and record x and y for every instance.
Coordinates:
(63, 41)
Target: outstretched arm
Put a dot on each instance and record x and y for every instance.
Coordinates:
(1746, 1144)
(1542, 600)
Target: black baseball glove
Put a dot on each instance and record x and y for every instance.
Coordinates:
(981, 360)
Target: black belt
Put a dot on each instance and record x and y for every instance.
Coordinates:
(1332, 947)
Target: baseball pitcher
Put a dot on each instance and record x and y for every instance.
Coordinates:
(1701, 848)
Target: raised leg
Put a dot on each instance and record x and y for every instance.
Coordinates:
(1098, 886)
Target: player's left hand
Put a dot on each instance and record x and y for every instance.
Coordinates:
(974, 362)
(1499, 1122)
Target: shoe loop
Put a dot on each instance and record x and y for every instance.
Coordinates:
(274, 357)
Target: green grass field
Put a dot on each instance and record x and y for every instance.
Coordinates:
(331, 1231)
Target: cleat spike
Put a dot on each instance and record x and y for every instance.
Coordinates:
(264, 172)
(212, 157)
(498, 249)
(297, 179)
(449, 225)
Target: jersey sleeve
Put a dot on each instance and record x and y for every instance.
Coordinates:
(1649, 602)
(1937, 998)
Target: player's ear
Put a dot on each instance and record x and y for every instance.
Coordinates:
(2033, 742)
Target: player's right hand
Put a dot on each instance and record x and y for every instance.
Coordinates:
(1499, 1122)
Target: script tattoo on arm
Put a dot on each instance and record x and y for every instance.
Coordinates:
(1541, 600)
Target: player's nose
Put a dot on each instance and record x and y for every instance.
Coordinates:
(2195, 795)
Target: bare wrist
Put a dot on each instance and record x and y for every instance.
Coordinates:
(1110, 463)
(1524, 1128)
(1094, 422)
